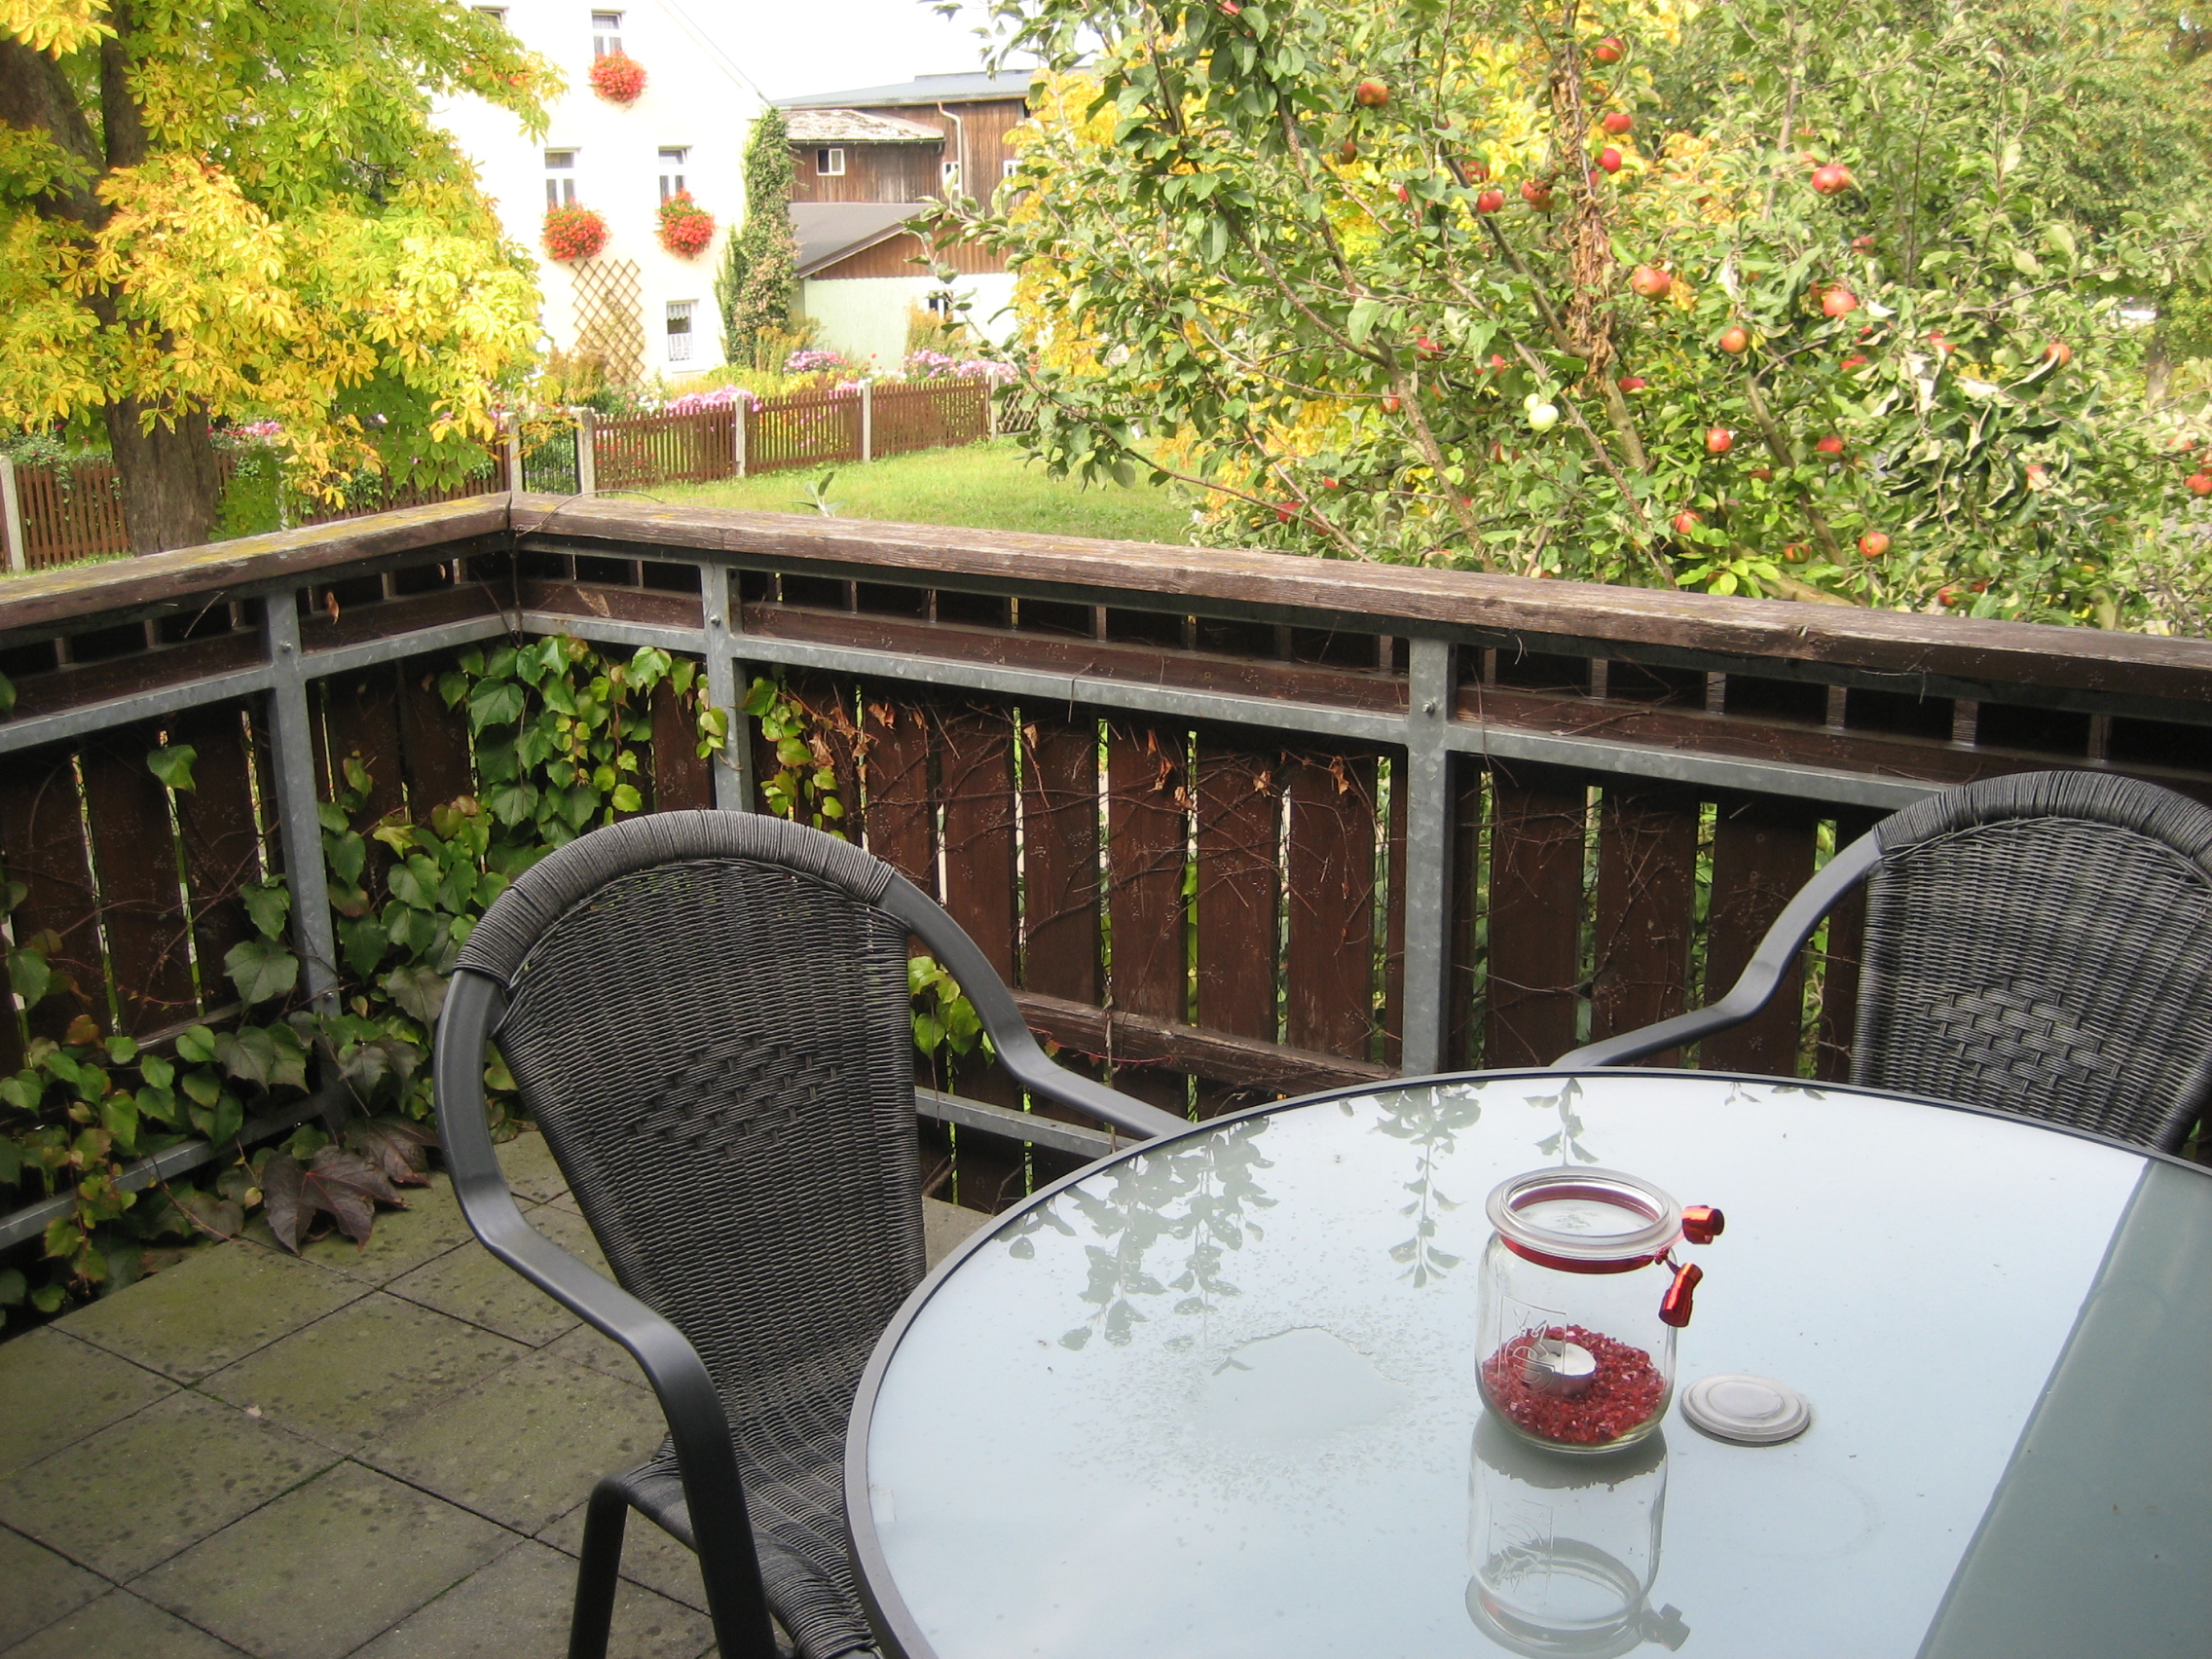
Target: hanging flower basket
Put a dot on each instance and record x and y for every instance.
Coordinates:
(686, 227)
(573, 233)
(617, 77)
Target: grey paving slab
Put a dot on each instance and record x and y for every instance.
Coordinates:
(471, 1283)
(54, 1389)
(518, 1608)
(326, 1566)
(528, 1165)
(525, 1442)
(121, 1626)
(585, 1347)
(211, 1309)
(945, 1226)
(141, 1489)
(401, 1240)
(38, 1587)
(650, 1557)
(347, 1378)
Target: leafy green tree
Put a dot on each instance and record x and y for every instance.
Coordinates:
(759, 264)
(1787, 296)
(243, 209)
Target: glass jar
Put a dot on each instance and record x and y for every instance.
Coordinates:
(1562, 1552)
(1578, 1343)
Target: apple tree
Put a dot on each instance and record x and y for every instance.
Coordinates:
(1789, 296)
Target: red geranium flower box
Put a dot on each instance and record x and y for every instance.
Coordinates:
(617, 77)
(573, 233)
(686, 227)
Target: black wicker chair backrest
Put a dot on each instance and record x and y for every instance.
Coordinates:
(709, 1020)
(2042, 944)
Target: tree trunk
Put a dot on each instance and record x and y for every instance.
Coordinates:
(168, 475)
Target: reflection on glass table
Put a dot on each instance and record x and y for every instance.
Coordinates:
(1219, 1398)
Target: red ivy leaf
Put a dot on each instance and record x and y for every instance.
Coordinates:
(339, 1183)
(398, 1146)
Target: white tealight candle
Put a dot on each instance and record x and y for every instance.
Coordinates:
(1555, 1366)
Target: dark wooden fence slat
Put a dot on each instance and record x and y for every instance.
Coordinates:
(1762, 853)
(1464, 1034)
(142, 904)
(433, 739)
(222, 843)
(1535, 896)
(1328, 892)
(901, 824)
(42, 845)
(1647, 897)
(1239, 878)
(1845, 948)
(976, 782)
(1059, 809)
(682, 782)
(1146, 796)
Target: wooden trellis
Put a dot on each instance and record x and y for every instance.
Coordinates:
(610, 316)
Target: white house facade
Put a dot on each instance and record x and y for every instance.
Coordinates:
(645, 310)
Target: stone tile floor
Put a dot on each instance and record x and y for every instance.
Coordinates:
(381, 1452)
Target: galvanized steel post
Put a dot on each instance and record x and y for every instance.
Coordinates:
(733, 767)
(587, 453)
(298, 808)
(1428, 856)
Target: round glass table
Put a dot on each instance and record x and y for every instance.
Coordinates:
(1215, 1398)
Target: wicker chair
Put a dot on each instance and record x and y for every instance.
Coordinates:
(2039, 943)
(707, 1017)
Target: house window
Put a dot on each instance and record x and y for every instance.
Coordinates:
(497, 13)
(560, 178)
(672, 160)
(680, 330)
(1008, 167)
(829, 164)
(605, 33)
(950, 172)
(940, 304)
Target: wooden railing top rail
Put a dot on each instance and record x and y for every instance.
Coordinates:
(1817, 642)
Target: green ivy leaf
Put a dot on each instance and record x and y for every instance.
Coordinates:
(172, 764)
(420, 991)
(156, 1072)
(362, 944)
(196, 1045)
(261, 969)
(202, 1087)
(7, 695)
(345, 855)
(29, 975)
(626, 797)
(493, 703)
(248, 1054)
(267, 904)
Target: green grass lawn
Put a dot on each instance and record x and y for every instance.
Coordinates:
(985, 486)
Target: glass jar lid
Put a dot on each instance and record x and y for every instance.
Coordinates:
(1585, 1221)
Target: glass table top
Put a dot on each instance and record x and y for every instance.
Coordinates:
(1218, 1398)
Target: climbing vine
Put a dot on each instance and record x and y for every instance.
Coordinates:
(558, 736)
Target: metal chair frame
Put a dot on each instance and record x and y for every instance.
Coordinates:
(700, 1432)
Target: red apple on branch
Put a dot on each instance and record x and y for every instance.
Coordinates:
(1735, 341)
(1610, 49)
(1718, 440)
(1685, 522)
(1489, 200)
(2199, 483)
(1832, 444)
(1873, 544)
(1619, 122)
(1609, 159)
(1832, 179)
(1650, 281)
(1537, 193)
(1371, 95)
(1632, 383)
(2060, 353)
(1839, 301)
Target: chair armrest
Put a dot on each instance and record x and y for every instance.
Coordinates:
(1762, 975)
(995, 1007)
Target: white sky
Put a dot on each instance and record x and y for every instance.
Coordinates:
(790, 48)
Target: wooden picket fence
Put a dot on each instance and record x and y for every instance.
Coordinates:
(75, 511)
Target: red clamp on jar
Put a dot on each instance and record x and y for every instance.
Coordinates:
(1581, 1343)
